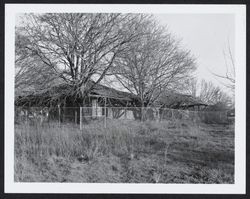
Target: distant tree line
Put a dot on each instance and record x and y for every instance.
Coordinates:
(209, 93)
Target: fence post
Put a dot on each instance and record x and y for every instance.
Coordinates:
(59, 114)
(63, 114)
(105, 113)
(75, 117)
(141, 114)
(125, 113)
(26, 116)
(96, 114)
(187, 115)
(80, 118)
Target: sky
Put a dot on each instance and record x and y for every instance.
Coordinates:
(207, 36)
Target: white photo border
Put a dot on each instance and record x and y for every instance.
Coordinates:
(239, 187)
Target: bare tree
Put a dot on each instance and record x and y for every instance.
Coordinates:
(30, 71)
(212, 95)
(208, 93)
(152, 64)
(228, 79)
(190, 86)
(75, 47)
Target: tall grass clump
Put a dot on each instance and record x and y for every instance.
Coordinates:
(34, 141)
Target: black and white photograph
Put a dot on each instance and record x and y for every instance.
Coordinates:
(117, 97)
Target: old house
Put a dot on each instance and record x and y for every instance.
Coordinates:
(59, 101)
(101, 101)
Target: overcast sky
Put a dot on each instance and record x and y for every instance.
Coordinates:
(206, 35)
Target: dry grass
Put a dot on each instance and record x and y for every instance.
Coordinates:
(127, 152)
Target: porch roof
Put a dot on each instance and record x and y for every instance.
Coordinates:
(62, 89)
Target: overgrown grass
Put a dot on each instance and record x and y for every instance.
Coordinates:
(127, 152)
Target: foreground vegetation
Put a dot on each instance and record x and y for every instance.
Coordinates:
(125, 152)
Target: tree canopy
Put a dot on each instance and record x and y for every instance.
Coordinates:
(153, 64)
(79, 48)
(74, 47)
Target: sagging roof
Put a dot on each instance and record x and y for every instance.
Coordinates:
(173, 99)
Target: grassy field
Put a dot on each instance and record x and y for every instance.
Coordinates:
(125, 152)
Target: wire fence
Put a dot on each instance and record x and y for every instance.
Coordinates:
(81, 116)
